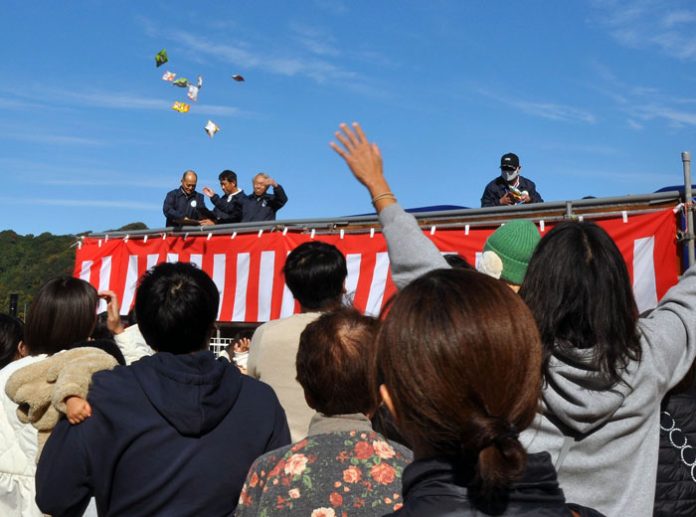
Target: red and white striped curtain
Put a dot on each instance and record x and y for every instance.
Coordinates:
(247, 269)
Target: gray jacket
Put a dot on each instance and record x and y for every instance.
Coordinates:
(603, 440)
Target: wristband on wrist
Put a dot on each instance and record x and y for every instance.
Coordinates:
(384, 195)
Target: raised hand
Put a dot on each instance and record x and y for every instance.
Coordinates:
(113, 317)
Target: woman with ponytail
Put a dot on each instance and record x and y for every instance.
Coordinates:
(459, 362)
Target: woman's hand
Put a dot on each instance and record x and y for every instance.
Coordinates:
(113, 316)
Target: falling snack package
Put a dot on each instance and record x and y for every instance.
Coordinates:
(182, 82)
(211, 128)
(193, 92)
(181, 107)
(199, 84)
(168, 76)
(238, 78)
(161, 57)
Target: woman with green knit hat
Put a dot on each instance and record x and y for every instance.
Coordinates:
(508, 250)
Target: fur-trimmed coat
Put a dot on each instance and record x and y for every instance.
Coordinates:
(41, 388)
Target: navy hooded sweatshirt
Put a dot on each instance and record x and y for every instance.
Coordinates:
(168, 435)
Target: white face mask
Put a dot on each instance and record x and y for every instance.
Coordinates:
(509, 175)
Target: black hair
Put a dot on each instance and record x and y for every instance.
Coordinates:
(455, 260)
(101, 328)
(107, 345)
(176, 306)
(228, 175)
(64, 311)
(11, 333)
(315, 272)
(578, 289)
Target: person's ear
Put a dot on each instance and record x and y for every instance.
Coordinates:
(22, 350)
(386, 398)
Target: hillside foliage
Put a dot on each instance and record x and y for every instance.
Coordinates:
(27, 261)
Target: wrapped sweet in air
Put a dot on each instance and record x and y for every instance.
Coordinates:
(199, 84)
(238, 78)
(211, 128)
(193, 92)
(182, 82)
(181, 107)
(161, 57)
(168, 76)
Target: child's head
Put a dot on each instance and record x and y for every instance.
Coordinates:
(11, 336)
(107, 345)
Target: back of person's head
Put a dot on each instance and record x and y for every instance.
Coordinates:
(228, 175)
(315, 273)
(335, 363)
(101, 328)
(507, 252)
(63, 312)
(107, 345)
(456, 261)
(579, 291)
(11, 334)
(176, 306)
(460, 357)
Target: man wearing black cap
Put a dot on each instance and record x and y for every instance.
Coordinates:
(510, 188)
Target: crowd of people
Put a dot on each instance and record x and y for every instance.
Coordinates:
(530, 386)
(184, 206)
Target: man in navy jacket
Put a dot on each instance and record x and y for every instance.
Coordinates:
(510, 188)
(260, 205)
(173, 433)
(184, 206)
(228, 208)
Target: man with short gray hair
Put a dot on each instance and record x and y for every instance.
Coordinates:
(260, 205)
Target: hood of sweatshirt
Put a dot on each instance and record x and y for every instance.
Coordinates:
(577, 395)
(193, 392)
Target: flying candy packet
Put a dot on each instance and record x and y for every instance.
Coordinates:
(193, 92)
(182, 82)
(211, 128)
(199, 83)
(181, 107)
(238, 78)
(161, 57)
(168, 76)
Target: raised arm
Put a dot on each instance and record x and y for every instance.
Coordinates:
(411, 253)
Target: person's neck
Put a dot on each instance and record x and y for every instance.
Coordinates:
(514, 183)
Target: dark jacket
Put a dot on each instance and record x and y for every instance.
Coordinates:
(228, 210)
(178, 205)
(169, 434)
(438, 487)
(499, 187)
(675, 494)
(264, 208)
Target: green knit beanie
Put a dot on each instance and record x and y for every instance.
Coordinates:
(513, 244)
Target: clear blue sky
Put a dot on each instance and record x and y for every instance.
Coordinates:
(596, 97)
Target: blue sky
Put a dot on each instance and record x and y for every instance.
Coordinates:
(596, 97)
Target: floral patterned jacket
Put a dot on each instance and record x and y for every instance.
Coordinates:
(343, 468)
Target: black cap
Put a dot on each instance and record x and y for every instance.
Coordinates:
(509, 160)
